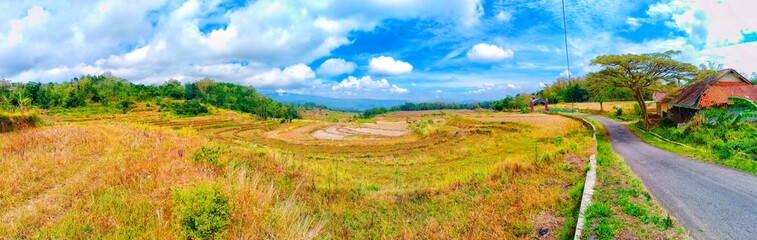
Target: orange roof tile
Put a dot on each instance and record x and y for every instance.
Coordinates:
(718, 95)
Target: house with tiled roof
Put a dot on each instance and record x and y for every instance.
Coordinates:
(712, 91)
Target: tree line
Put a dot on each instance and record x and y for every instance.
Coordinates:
(110, 91)
(620, 78)
(409, 106)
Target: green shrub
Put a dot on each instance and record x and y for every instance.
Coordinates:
(187, 108)
(618, 111)
(525, 110)
(422, 128)
(125, 105)
(722, 149)
(202, 211)
(208, 155)
(637, 110)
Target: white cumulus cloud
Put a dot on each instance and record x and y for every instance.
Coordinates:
(396, 89)
(483, 52)
(367, 84)
(388, 66)
(336, 66)
(659, 10)
(295, 75)
(504, 16)
(633, 23)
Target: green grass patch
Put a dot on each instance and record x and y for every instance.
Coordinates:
(622, 207)
(89, 112)
(365, 120)
(225, 125)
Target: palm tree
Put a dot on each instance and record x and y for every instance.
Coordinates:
(749, 108)
(22, 100)
(7, 99)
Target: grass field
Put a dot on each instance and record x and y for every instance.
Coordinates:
(428, 174)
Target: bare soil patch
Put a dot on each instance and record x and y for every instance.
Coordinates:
(368, 131)
(546, 224)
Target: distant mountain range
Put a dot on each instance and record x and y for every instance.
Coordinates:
(335, 103)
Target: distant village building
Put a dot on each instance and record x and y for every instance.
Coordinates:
(713, 91)
(661, 100)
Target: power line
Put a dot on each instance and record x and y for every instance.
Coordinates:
(565, 28)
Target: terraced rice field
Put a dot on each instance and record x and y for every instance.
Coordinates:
(430, 174)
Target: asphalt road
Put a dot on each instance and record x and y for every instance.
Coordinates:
(710, 201)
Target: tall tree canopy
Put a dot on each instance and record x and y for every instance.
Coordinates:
(576, 93)
(110, 91)
(558, 91)
(640, 73)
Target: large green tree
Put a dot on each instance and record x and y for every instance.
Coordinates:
(575, 93)
(641, 73)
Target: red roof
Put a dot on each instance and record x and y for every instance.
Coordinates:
(693, 95)
(717, 95)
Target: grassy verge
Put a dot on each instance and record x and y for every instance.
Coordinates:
(695, 152)
(622, 208)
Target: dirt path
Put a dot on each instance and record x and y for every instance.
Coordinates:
(710, 201)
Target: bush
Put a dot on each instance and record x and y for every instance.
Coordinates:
(124, 105)
(618, 111)
(422, 128)
(637, 110)
(373, 112)
(202, 211)
(208, 155)
(188, 108)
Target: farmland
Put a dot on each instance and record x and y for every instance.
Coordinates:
(435, 174)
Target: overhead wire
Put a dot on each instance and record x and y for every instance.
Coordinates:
(565, 29)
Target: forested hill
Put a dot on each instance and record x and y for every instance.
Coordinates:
(113, 92)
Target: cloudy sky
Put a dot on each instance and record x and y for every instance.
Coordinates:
(390, 49)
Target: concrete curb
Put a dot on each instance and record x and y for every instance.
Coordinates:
(591, 178)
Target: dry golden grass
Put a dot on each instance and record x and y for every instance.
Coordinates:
(116, 181)
(473, 176)
(56, 178)
(548, 124)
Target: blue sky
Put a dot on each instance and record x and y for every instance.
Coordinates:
(422, 50)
